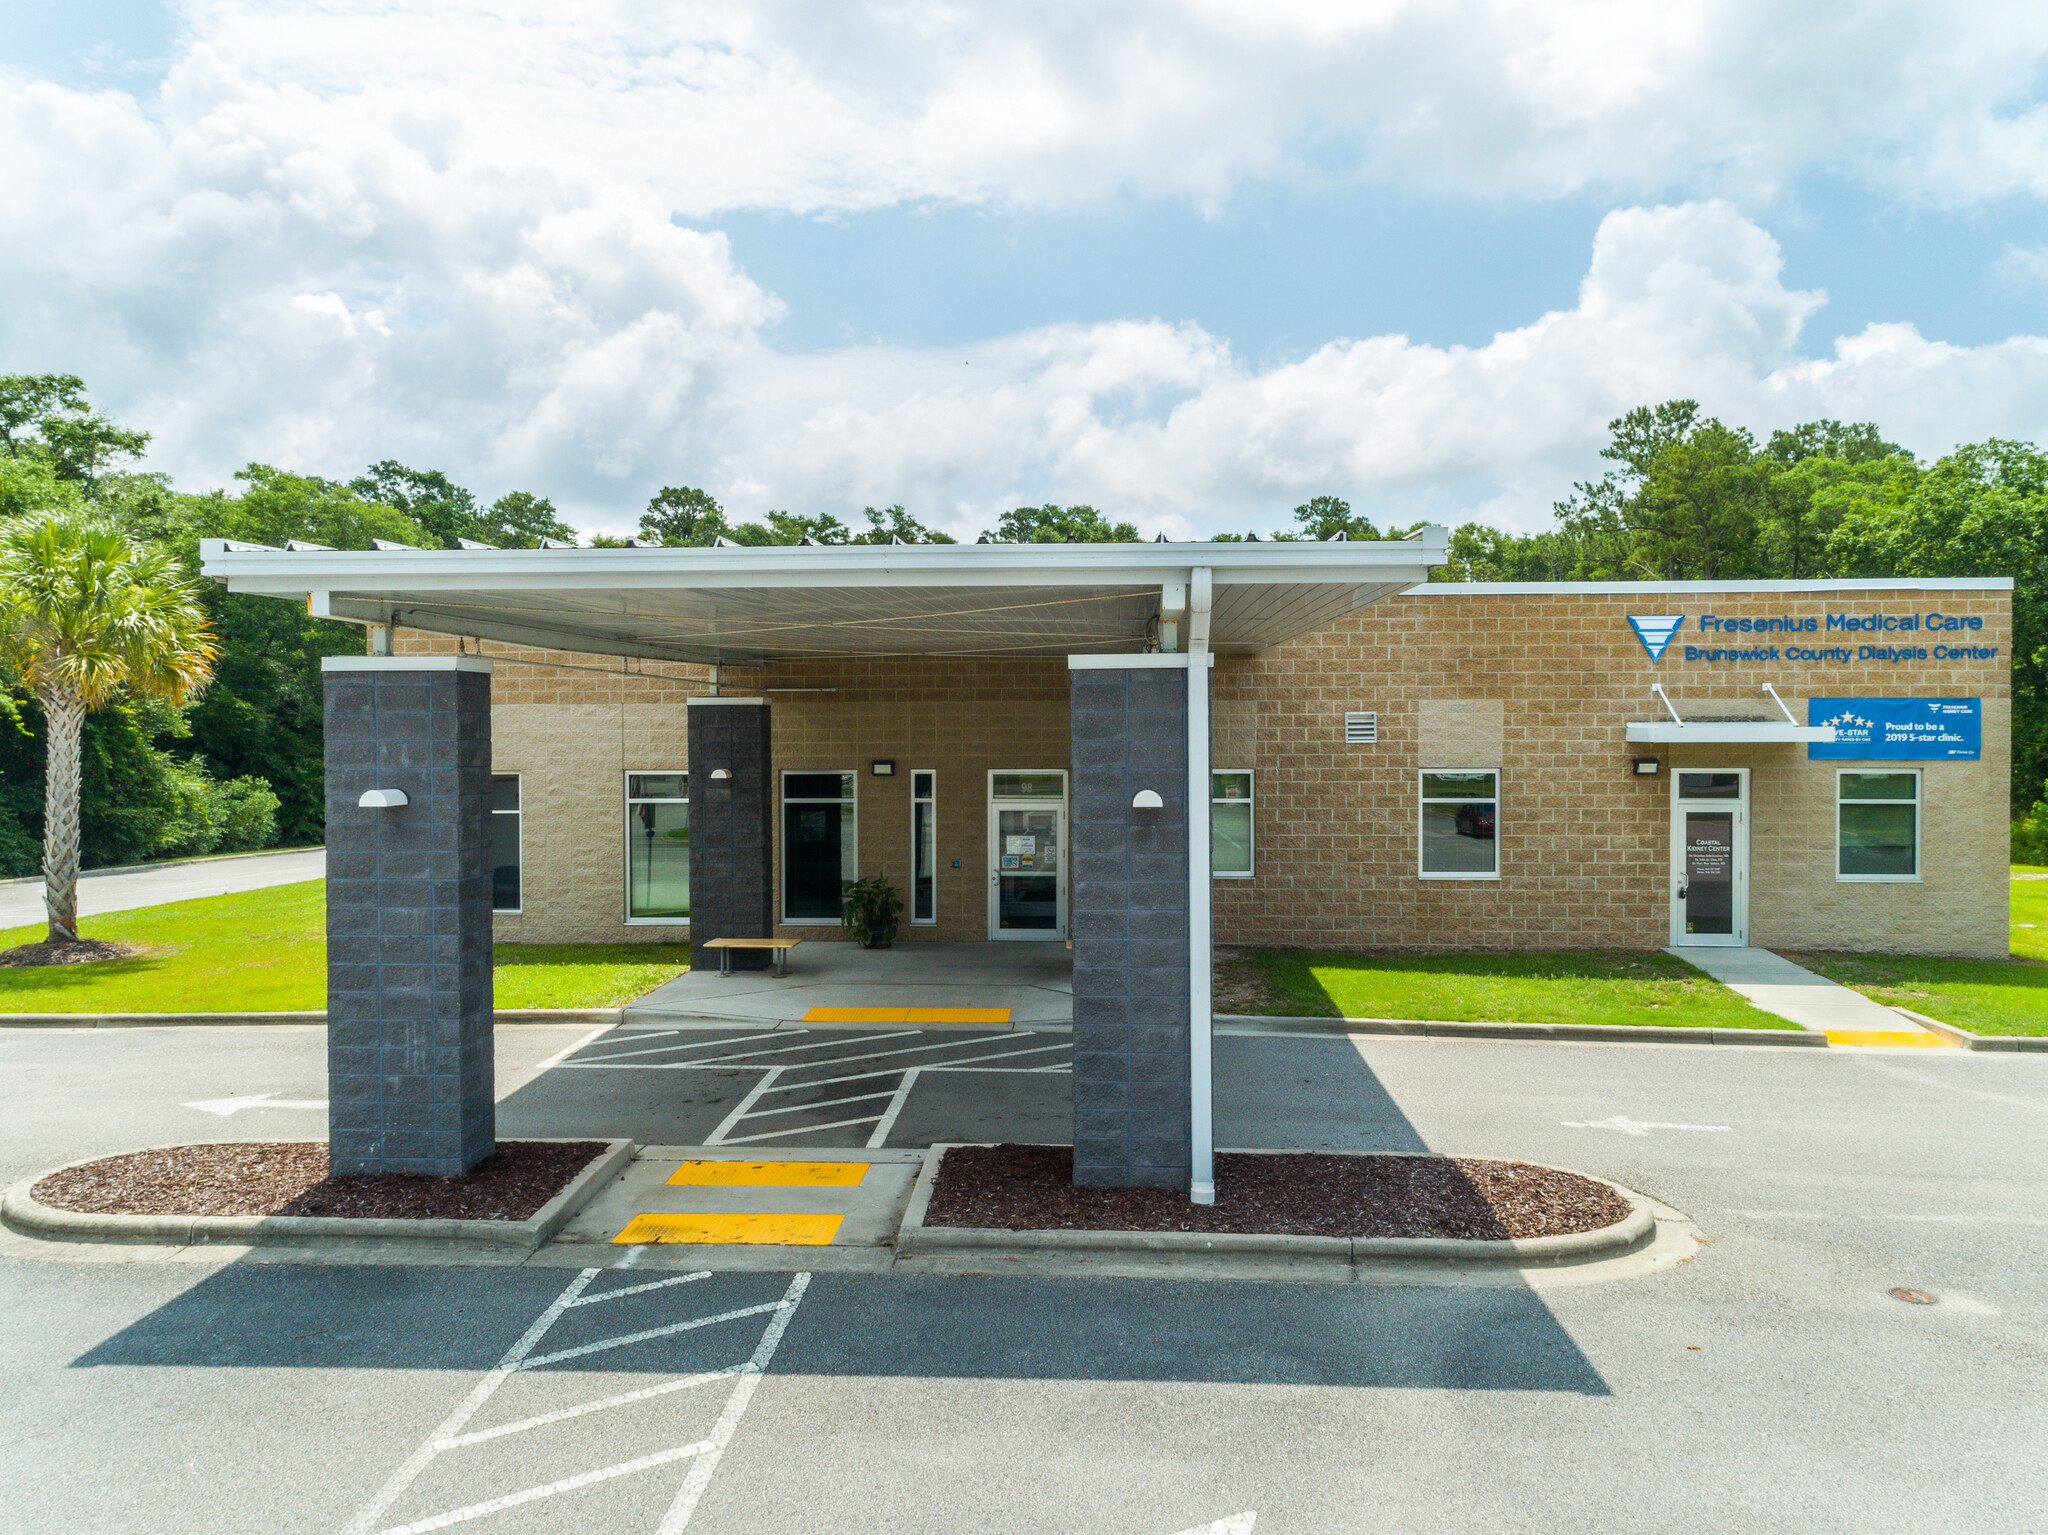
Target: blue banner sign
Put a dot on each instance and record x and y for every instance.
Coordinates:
(1898, 729)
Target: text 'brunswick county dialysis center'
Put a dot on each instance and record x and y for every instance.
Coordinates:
(1142, 748)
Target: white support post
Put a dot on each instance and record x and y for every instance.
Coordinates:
(1201, 1109)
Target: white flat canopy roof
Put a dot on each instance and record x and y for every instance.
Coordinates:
(744, 606)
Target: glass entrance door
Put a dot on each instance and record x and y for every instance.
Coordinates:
(1710, 858)
(1027, 855)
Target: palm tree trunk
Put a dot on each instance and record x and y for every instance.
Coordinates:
(64, 713)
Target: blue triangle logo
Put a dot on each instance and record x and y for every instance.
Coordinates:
(1655, 631)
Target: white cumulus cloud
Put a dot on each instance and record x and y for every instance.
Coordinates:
(443, 232)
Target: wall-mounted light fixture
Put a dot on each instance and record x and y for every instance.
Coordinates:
(1647, 767)
(719, 773)
(383, 799)
(883, 767)
(1148, 799)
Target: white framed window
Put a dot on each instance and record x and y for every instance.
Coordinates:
(505, 887)
(658, 847)
(1457, 831)
(1877, 824)
(820, 846)
(924, 847)
(1230, 825)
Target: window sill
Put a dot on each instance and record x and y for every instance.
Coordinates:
(1878, 879)
(657, 921)
(1482, 878)
(810, 922)
(1214, 874)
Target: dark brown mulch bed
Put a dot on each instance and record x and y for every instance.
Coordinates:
(290, 1178)
(1031, 1188)
(81, 951)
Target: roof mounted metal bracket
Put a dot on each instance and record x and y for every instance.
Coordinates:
(1780, 703)
(1658, 689)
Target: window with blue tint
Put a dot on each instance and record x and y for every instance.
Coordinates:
(657, 847)
(924, 848)
(820, 852)
(1459, 832)
(505, 893)
(1230, 825)
(1877, 826)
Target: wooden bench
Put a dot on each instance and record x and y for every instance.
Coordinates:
(725, 946)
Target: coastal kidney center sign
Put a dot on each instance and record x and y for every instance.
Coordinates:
(1894, 638)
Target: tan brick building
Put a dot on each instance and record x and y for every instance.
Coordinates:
(1536, 685)
(1137, 749)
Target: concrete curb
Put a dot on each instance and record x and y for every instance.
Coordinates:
(25, 1213)
(2008, 1042)
(505, 1018)
(915, 1239)
(1607, 1033)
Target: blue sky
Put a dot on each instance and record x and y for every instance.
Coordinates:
(1192, 264)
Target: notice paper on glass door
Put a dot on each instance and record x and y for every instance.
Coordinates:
(1025, 845)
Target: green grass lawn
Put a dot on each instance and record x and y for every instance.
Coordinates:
(1985, 996)
(265, 951)
(1602, 987)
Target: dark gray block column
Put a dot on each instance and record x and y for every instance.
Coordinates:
(409, 1009)
(1130, 924)
(732, 842)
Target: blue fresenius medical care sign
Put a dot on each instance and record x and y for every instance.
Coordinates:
(1899, 729)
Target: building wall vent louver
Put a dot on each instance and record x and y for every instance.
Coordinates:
(1362, 729)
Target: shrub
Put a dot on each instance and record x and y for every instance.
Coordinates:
(2030, 836)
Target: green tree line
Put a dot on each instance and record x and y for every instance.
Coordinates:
(1687, 498)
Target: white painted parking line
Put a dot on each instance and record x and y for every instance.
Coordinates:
(896, 1101)
(775, 1135)
(566, 1051)
(785, 1077)
(227, 1106)
(1629, 1126)
(1236, 1524)
(704, 1453)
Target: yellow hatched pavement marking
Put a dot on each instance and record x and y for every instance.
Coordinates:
(781, 1230)
(808, 1174)
(907, 1015)
(1929, 1040)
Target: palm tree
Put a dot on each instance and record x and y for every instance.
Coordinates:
(85, 613)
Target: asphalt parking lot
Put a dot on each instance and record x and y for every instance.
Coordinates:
(1771, 1384)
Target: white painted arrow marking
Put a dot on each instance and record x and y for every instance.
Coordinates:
(1629, 1126)
(1236, 1524)
(226, 1106)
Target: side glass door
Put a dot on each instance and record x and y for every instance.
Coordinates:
(1027, 850)
(1710, 859)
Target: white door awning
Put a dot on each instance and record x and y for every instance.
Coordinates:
(1712, 730)
(1665, 732)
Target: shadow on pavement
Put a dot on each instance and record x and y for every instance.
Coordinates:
(1310, 1093)
(461, 1320)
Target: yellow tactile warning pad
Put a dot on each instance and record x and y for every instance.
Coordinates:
(1930, 1039)
(806, 1174)
(781, 1230)
(907, 1015)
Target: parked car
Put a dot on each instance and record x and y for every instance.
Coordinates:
(1475, 820)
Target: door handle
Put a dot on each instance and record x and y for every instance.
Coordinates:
(1683, 891)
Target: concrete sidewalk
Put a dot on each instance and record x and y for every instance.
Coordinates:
(1033, 982)
(1812, 1001)
(21, 900)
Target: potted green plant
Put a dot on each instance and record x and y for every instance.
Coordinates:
(870, 911)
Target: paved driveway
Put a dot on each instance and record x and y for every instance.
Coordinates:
(21, 901)
(1771, 1385)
